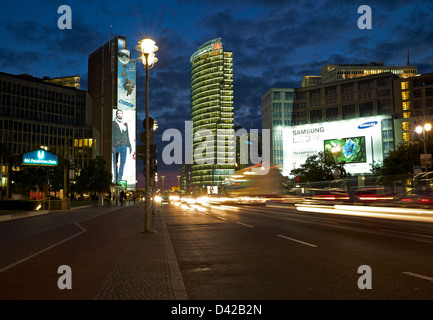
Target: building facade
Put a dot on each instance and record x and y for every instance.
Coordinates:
(277, 112)
(112, 87)
(37, 114)
(402, 100)
(212, 114)
(335, 72)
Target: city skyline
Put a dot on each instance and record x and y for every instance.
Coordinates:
(275, 43)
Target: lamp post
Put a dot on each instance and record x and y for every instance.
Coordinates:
(147, 49)
(423, 129)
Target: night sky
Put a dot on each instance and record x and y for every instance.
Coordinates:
(274, 44)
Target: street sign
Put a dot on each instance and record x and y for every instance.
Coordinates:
(40, 157)
(426, 159)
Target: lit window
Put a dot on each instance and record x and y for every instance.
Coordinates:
(405, 95)
(405, 85)
(406, 114)
(406, 136)
(406, 105)
(405, 126)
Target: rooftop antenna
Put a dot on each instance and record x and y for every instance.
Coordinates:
(408, 57)
(111, 28)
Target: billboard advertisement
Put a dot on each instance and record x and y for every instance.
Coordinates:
(124, 120)
(348, 150)
(357, 142)
(126, 81)
(124, 147)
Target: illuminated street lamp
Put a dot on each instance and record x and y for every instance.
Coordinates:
(422, 130)
(147, 49)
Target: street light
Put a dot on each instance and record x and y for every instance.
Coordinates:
(147, 49)
(423, 129)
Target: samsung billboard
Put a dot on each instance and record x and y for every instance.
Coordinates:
(357, 142)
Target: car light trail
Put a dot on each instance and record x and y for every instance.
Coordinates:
(373, 212)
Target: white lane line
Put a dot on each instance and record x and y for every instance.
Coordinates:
(46, 249)
(244, 224)
(418, 276)
(306, 243)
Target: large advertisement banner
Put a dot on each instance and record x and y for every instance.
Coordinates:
(124, 147)
(357, 142)
(126, 81)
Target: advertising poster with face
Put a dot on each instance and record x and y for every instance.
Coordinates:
(124, 147)
(126, 81)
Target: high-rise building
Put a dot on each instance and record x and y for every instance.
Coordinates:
(277, 112)
(212, 113)
(112, 87)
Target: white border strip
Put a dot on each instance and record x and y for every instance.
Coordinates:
(46, 249)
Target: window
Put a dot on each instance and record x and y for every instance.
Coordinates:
(276, 95)
(348, 111)
(405, 126)
(406, 105)
(405, 85)
(316, 115)
(332, 113)
(288, 95)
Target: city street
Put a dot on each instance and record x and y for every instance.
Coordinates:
(257, 252)
(204, 251)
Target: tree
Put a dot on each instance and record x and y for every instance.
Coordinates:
(399, 161)
(95, 178)
(319, 167)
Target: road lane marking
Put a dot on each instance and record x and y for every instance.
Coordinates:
(244, 224)
(43, 250)
(418, 276)
(306, 243)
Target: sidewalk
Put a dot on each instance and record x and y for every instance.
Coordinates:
(147, 269)
(111, 259)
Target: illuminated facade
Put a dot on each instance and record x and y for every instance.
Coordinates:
(277, 112)
(69, 81)
(413, 105)
(212, 110)
(112, 87)
(334, 72)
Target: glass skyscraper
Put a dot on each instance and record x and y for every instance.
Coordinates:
(212, 114)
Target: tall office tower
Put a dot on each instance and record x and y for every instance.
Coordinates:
(112, 87)
(212, 114)
(277, 112)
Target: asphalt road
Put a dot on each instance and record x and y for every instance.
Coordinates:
(263, 253)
